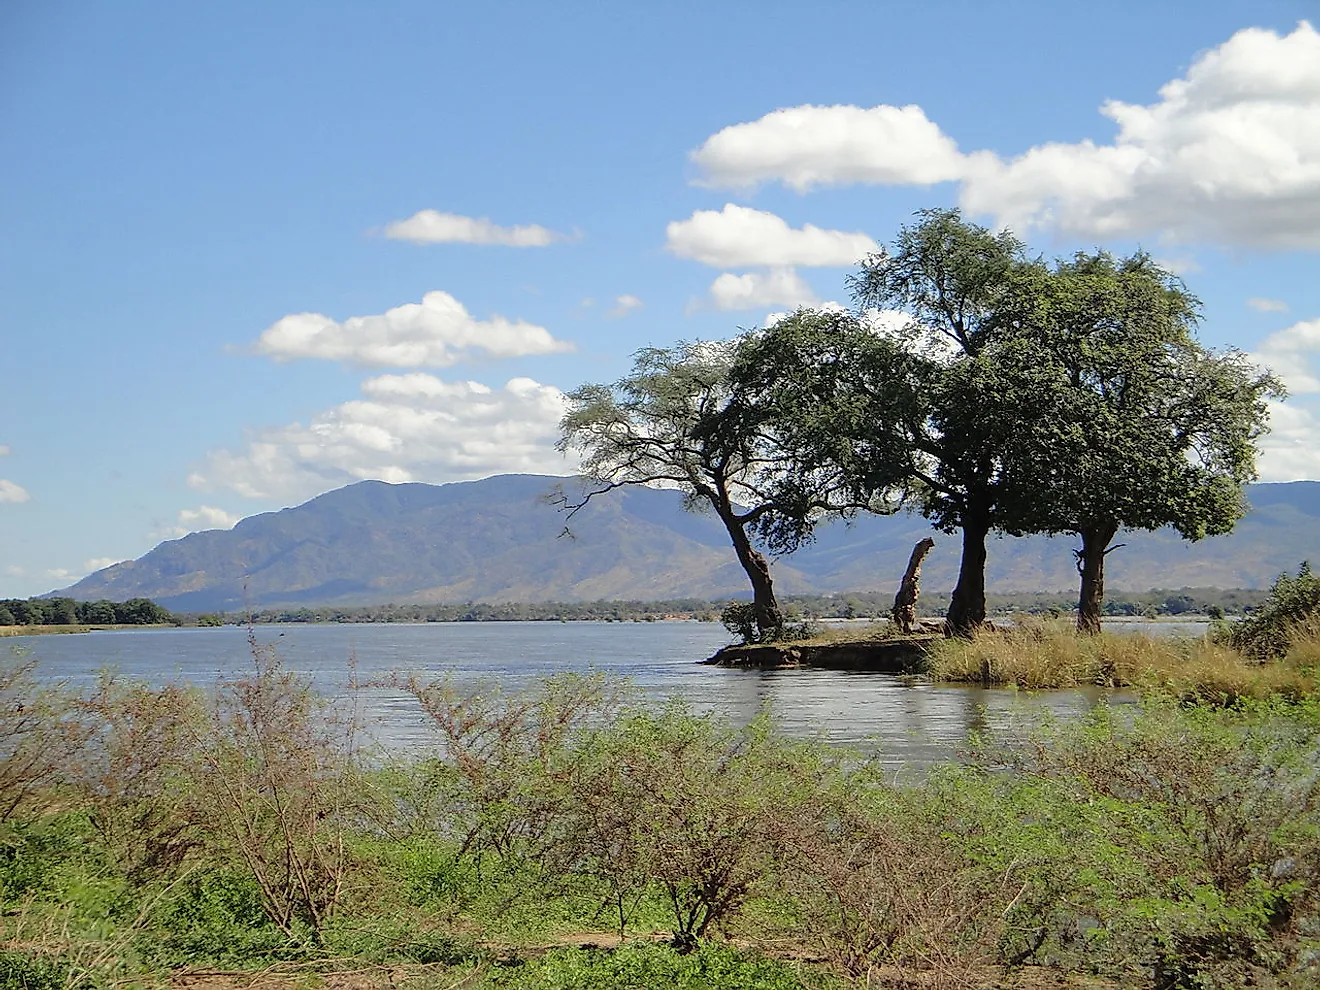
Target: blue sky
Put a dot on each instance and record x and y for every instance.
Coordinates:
(221, 290)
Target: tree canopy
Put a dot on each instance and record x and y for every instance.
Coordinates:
(988, 390)
(677, 420)
(1135, 425)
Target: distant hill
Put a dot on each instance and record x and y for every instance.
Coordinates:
(499, 539)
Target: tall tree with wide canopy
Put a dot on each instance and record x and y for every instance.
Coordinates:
(950, 280)
(1135, 424)
(677, 420)
(899, 421)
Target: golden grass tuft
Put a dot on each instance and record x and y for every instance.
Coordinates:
(1040, 654)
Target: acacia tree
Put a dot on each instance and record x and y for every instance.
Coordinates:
(950, 281)
(899, 424)
(677, 420)
(1134, 424)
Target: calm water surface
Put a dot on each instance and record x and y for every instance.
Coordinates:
(907, 723)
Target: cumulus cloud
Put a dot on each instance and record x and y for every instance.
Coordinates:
(4, 449)
(1289, 354)
(1267, 305)
(1228, 154)
(207, 517)
(13, 570)
(196, 520)
(62, 574)
(11, 492)
(435, 333)
(97, 563)
(433, 227)
(1291, 450)
(754, 290)
(623, 305)
(809, 146)
(740, 236)
(407, 427)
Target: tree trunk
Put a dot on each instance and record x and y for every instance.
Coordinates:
(769, 620)
(967, 607)
(1091, 566)
(904, 613)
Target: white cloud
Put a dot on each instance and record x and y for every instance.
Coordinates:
(13, 570)
(96, 563)
(1179, 264)
(623, 305)
(62, 574)
(437, 332)
(10, 492)
(4, 449)
(1229, 154)
(1289, 353)
(777, 287)
(1291, 450)
(1267, 305)
(196, 520)
(810, 146)
(433, 227)
(739, 236)
(207, 517)
(409, 427)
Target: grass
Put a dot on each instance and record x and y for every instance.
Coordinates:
(74, 628)
(1038, 655)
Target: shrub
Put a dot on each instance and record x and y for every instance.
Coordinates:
(642, 965)
(1214, 819)
(279, 775)
(1292, 609)
(40, 734)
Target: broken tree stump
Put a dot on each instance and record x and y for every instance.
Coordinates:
(904, 613)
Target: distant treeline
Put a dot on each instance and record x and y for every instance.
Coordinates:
(67, 612)
(858, 605)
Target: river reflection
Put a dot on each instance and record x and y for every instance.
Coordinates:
(903, 721)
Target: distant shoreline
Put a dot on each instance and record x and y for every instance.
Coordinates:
(76, 627)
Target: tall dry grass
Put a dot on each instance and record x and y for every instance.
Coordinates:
(1040, 654)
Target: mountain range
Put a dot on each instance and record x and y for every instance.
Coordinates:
(501, 539)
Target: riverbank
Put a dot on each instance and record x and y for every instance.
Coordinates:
(37, 630)
(155, 835)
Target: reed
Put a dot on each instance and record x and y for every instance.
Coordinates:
(1041, 654)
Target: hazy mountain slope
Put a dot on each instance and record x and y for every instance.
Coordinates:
(499, 539)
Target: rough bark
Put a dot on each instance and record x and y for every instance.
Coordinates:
(769, 620)
(967, 606)
(904, 613)
(1091, 566)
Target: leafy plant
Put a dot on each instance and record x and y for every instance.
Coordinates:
(1292, 609)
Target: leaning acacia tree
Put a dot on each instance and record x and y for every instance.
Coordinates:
(676, 420)
(1135, 425)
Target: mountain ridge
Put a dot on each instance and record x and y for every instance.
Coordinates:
(500, 540)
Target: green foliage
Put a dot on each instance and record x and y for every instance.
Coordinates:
(66, 611)
(1292, 608)
(740, 619)
(216, 916)
(642, 965)
(34, 854)
(33, 970)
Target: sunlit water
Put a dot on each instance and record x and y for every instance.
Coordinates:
(904, 721)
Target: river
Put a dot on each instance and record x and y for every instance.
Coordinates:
(903, 721)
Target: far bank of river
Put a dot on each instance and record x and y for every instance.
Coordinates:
(907, 721)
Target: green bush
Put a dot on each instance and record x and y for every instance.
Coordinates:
(213, 917)
(1293, 606)
(646, 965)
(32, 971)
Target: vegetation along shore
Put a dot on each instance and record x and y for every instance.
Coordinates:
(570, 837)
